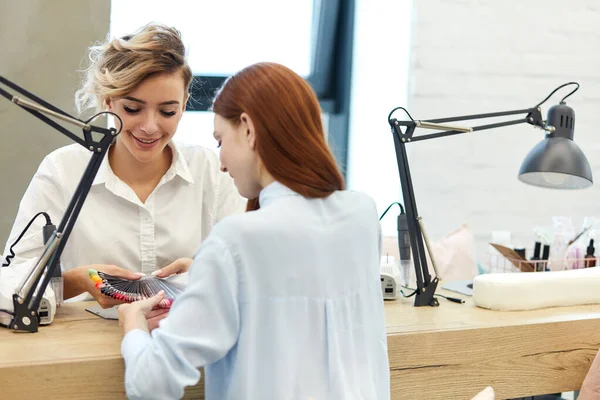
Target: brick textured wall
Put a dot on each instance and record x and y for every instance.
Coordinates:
(476, 56)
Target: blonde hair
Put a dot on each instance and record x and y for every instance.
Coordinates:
(118, 66)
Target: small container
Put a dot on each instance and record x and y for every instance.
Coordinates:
(590, 258)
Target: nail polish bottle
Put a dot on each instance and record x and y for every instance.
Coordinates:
(537, 266)
(590, 259)
(545, 256)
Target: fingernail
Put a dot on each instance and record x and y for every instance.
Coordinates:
(158, 271)
(139, 274)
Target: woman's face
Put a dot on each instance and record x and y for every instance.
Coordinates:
(150, 115)
(238, 155)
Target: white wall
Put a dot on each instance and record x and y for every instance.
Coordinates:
(379, 84)
(472, 56)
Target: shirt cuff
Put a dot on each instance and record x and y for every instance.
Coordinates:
(134, 342)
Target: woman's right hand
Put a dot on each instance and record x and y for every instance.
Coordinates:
(78, 279)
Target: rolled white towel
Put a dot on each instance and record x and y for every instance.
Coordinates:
(533, 290)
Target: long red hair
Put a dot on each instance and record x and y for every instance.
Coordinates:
(289, 132)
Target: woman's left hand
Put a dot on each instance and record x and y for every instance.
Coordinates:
(155, 316)
(178, 266)
(135, 315)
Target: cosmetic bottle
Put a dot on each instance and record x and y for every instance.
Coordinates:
(590, 258)
(545, 255)
(537, 266)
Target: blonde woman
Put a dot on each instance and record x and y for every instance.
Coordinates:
(153, 201)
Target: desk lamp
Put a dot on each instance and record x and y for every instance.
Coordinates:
(29, 293)
(555, 162)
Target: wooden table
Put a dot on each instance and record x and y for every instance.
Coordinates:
(449, 352)
(78, 357)
(456, 350)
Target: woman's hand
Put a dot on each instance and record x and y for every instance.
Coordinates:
(78, 281)
(178, 266)
(155, 316)
(137, 315)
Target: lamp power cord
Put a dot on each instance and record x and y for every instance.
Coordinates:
(414, 291)
(11, 251)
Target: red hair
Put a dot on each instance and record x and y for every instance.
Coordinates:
(289, 132)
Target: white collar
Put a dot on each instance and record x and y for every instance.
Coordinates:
(273, 191)
(179, 166)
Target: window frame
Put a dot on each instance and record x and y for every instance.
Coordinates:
(330, 78)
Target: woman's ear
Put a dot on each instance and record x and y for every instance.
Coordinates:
(187, 97)
(250, 131)
(108, 104)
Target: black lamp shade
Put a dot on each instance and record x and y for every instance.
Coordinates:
(557, 162)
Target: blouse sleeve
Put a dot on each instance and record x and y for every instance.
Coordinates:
(202, 326)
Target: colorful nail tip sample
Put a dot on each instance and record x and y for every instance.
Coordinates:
(133, 290)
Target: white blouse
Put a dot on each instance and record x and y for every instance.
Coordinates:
(282, 303)
(114, 226)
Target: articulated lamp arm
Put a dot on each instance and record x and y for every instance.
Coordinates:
(27, 298)
(558, 127)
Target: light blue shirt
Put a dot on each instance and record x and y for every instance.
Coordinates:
(282, 303)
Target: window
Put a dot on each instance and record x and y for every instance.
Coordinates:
(379, 83)
(222, 37)
(226, 35)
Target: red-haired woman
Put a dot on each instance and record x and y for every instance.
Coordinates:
(284, 301)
